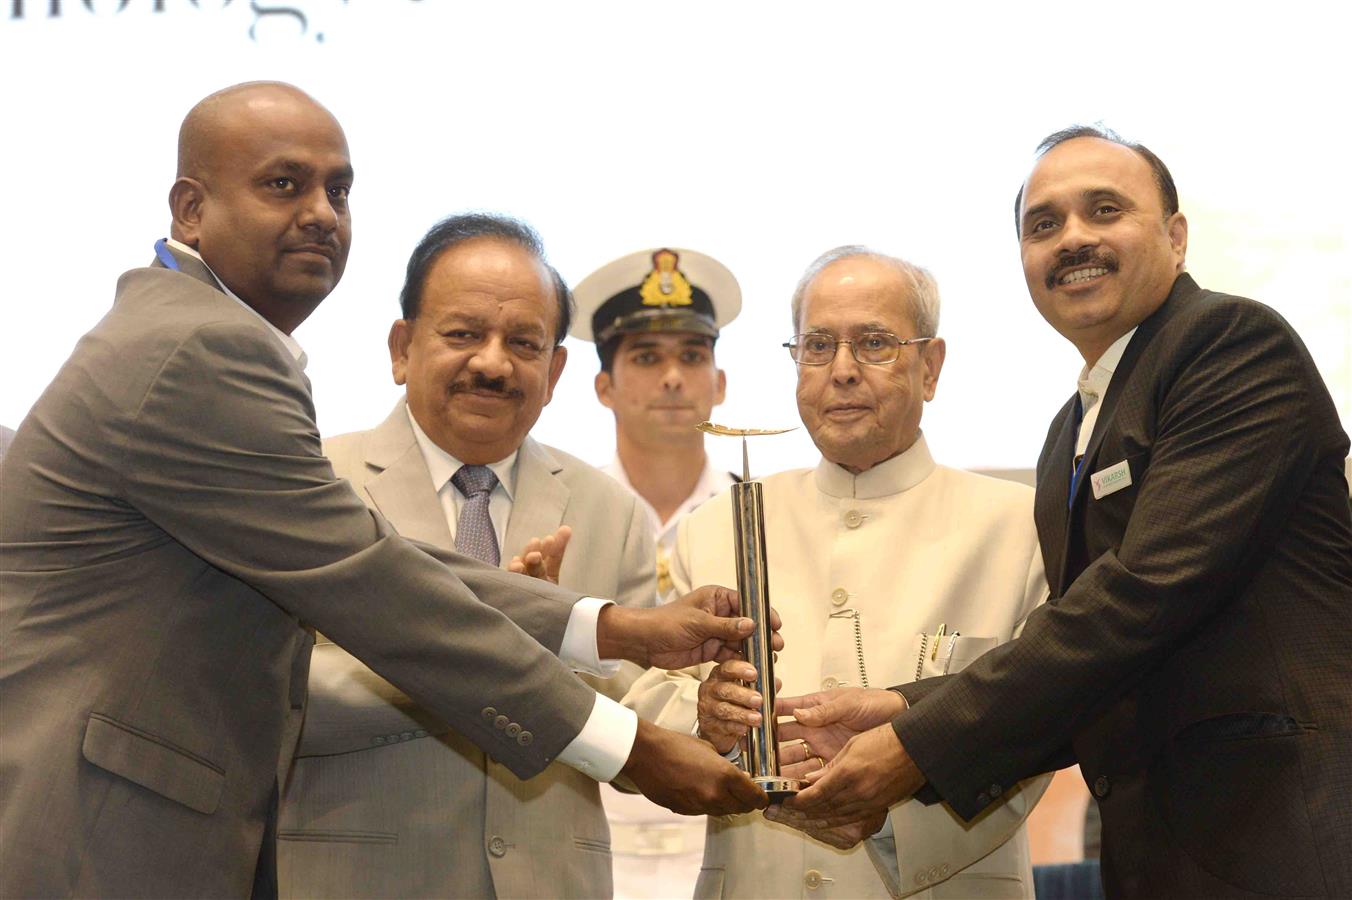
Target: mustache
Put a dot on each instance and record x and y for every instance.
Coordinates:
(1085, 257)
(481, 384)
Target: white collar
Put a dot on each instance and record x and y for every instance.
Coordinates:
(443, 465)
(711, 482)
(1094, 379)
(287, 340)
(893, 476)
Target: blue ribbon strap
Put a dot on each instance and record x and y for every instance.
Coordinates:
(165, 257)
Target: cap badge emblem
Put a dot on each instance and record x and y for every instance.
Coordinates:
(665, 285)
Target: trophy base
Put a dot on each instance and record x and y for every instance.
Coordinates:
(779, 789)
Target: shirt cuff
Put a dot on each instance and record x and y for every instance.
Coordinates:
(578, 649)
(603, 745)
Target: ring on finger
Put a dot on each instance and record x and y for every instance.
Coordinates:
(821, 763)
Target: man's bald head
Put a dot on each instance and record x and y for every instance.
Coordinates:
(261, 194)
(210, 124)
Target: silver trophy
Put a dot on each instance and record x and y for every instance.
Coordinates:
(760, 759)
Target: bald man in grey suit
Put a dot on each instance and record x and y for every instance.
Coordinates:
(169, 530)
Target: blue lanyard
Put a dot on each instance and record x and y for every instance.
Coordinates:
(1075, 474)
(162, 253)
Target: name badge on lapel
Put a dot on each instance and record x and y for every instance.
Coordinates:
(1110, 480)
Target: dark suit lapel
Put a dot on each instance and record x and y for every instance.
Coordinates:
(1053, 491)
(1183, 288)
(539, 500)
(402, 487)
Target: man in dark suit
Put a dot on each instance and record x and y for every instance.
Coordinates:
(1196, 653)
(171, 535)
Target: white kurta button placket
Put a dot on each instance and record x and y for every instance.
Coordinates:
(862, 566)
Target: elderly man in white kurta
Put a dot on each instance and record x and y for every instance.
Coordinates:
(885, 567)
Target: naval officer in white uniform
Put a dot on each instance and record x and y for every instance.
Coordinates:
(655, 316)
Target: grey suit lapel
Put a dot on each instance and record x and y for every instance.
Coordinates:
(190, 266)
(539, 500)
(197, 270)
(402, 486)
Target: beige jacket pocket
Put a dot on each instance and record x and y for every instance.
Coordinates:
(153, 763)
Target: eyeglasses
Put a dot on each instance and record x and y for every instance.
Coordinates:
(872, 348)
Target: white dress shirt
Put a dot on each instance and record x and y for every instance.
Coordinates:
(603, 745)
(1093, 384)
(443, 467)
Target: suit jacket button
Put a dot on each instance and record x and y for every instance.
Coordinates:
(996, 791)
(1102, 786)
(405, 735)
(497, 846)
(854, 518)
(378, 740)
(829, 684)
(839, 596)
(420, 733)
(524, 738)
(488, 713)
(501, 722)
(983, 799)
(513, 730)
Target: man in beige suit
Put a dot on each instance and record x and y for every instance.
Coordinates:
(169, 526)
(885, 566)
(439, 818)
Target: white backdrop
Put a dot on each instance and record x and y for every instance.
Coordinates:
(760, 132)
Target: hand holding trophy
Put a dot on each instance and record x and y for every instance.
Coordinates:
(729, 705)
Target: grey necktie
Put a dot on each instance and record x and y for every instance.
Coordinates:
(474, 533)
